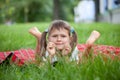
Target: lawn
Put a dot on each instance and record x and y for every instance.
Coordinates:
(16, 37)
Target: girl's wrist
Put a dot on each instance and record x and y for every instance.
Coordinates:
(52, 55)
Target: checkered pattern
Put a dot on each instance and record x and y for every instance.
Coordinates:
(23, 56)
(19, 57)
(111, 51)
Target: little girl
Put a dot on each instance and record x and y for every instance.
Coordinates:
(60, 37)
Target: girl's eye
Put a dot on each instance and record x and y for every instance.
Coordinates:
(54, 36)
(63, 36)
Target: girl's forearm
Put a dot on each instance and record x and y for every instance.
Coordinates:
(51, 58)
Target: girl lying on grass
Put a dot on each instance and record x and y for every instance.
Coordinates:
(61, 41)
(57, 41)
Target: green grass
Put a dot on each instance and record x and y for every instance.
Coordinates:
(16, 36)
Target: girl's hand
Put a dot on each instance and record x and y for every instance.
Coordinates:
(51, 48)
(66, 50)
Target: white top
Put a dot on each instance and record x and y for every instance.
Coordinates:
(73, 57)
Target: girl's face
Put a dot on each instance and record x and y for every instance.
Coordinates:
(60, 38)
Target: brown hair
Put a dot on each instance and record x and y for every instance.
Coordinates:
(57, 24)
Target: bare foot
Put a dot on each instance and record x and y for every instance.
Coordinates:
(35, 32)
(93, 37)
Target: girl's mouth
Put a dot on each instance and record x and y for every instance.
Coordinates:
(59, 43)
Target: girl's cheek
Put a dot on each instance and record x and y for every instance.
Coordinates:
(67, 41)
(51, 40)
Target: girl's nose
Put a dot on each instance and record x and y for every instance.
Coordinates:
(59, 38)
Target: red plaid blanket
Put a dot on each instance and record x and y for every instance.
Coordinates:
(19, 57)
(4, 55)
(22, 56)
(102, 49)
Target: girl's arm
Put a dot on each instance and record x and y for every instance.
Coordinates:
(51, 50)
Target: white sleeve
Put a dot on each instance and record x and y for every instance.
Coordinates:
(74, 55)
(47, 54)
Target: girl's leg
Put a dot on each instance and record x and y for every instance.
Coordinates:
(35, 32)
(92, 38)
